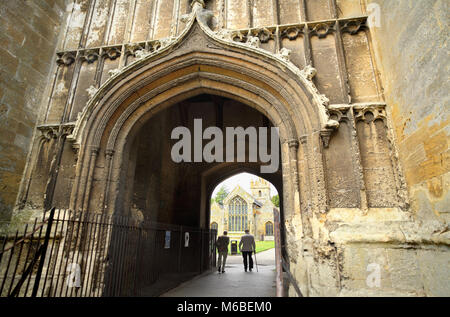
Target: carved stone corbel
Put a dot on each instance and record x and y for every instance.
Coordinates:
(67, 129)
(285, 54)
(253, 41)
(292, 32)
(112, 52)
(321, 30)
(325, 135)
(49, 132)
(90, 56)
(353, 27)
(66, 58)
(133, 49)
(264, 35)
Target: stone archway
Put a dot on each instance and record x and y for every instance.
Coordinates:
(267, 83)
(200, 61)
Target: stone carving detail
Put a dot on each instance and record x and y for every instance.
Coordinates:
(66, 58)
(339, 115)
(197, 3)
(49, 132)
(253, 41)
(326, 135)
(159, 45)
(370, 114)
(285, 54)
(185, 18)
(264, 35)
(353, 26)
(225, 34)
(292, 32)
(89, 56)
(133, 48)
(378, 157)
(309, 72)
(249, 39)
(238, 37)
(205, 16)
(114, 72)
(141, 53)
(92, 90)
(67, 129)
(112, 52)
(321, 30)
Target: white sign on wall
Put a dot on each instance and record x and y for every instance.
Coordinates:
(186, 239)
(167, 240)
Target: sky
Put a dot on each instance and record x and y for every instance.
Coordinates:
(242, 179)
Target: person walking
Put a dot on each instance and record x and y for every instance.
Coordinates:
(247, 246)
(222, 248)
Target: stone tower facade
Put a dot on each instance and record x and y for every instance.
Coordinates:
(90, 91)
(257, 216)
(260, 189)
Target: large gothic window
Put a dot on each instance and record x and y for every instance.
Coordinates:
(237, 214)
(214, 226)
(269, 229)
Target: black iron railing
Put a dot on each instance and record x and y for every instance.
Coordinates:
(88, 255)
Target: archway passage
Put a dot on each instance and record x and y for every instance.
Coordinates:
(243, 201)
(121, 136)
(158, 189)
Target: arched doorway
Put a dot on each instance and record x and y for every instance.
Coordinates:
(108, 131)
(157, 188)
(237, 205)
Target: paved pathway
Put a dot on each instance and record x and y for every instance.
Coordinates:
(234, 282)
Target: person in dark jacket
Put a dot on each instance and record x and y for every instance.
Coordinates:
(222, 248)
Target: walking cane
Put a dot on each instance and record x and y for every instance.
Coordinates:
(256, 262)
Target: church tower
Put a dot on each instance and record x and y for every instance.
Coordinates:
(260, 189)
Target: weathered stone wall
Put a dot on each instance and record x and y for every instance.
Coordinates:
(28, 36)
(413, 61)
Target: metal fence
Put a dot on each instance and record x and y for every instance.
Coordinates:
(88, 255)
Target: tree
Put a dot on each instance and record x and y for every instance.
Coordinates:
(221, 194)
(276, 201)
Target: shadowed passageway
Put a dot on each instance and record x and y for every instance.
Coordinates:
(234, 282)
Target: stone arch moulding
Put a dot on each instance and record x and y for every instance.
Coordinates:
(197, 61)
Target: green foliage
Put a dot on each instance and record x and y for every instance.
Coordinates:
(276, 201)
(221, 194)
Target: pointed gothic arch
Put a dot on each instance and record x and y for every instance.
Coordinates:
(200, 61)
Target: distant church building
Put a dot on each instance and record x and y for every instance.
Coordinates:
(241, 210)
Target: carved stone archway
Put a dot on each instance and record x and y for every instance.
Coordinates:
(200, 61)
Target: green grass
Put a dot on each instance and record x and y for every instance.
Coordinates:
(260, 246)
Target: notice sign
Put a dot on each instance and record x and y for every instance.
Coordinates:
(186, 239)
(167, 240)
